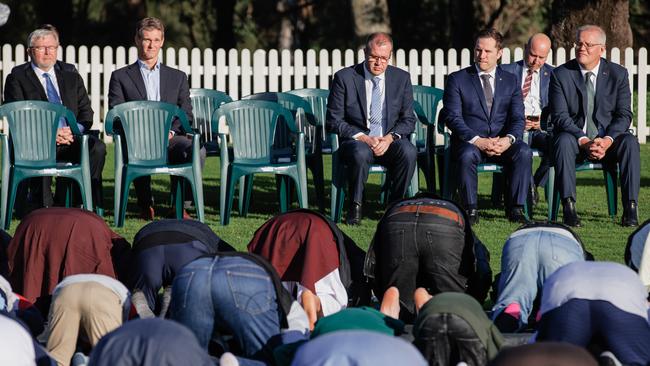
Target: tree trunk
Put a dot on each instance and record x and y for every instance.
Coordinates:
(611, 15)
(225, 37)
(370, 16)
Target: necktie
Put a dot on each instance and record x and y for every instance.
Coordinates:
(375, 108)
(53, 96)
(592, 130)
(487, 91)
(529, 79)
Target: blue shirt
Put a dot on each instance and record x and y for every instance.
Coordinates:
(151, 78)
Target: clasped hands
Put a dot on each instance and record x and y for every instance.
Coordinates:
(378, 145)
(493, 146)
(64, 136)
(596, 148)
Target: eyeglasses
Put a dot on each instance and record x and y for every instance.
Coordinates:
(41, 49)
(579, 45)
(378, 59)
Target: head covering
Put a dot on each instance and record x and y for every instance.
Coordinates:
(364, 318)
(357, 348)
(467, 308)
(300, 245)
(637, 253)
(606, 281)
(149, 342)
(52, 243)
(16, 347)
(544, 354)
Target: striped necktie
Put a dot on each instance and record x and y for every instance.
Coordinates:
(529, 80)
(376, 113)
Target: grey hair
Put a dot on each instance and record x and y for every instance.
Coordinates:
(590, 27)
(41, 33)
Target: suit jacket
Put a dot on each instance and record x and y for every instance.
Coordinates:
(517, 69)
(127, 85)
(568, 99)
(465, 108)
(23, 84)
(347, 112)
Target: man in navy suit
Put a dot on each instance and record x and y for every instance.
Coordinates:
(590, 111)
(30, 81)
(148, 79)
(370, 107)
(533, 75)
(483, 110)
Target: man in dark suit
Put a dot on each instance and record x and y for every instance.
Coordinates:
(370, 107)
(533, 75)
(41, 79)
(483, 110)
(148, 79)
(590, 111)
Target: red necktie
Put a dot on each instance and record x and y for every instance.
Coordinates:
(529, 79)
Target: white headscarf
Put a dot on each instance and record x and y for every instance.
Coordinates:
(9, 295)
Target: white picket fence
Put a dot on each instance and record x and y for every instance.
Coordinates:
(243, 72)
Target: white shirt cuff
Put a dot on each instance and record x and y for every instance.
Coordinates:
(473, 140)
(357, 135)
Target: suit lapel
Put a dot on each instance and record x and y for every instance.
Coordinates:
(62, 88)
(163, 85)
(360, 85)
(473, 75)
(134, 73)
(31, 76)
(498, 90)
(579, 81)
(544, 81)
(519, 70)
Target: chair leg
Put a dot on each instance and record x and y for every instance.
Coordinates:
(611, 188)
(197, 190)
(337, 194)
(315, 163)
(245, 195)
(124, 199)
(13, 182)
(550, 194)
(179, 197)
(225, 212)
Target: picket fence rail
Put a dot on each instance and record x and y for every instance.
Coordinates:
(243, 72)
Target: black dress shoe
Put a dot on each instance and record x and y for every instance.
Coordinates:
(472, 213)
(570, 217)
(517, 214)
(354, 214)
(630, 217)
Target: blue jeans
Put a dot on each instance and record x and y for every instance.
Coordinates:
(527, 261)
(231, 295)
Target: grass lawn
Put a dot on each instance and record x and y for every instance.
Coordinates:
(603, 236)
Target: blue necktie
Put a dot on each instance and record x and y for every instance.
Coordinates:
(53, 96)
(375, 108)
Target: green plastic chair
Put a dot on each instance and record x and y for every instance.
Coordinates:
(611, 188)
(30, 151)
(339, 180)
(253, 126)
(425, 104)
(146, 126)
(204, 103)
(311, 126)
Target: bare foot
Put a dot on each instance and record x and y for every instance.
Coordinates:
(421, 297)
(311, 304)
(390, 302)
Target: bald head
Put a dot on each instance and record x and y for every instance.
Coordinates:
(537, 49)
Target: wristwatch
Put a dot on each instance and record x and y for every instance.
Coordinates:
(512, 140)
(396, 136)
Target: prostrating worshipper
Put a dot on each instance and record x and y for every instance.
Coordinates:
(149, 342)
(452, 328)
(312, 257)
(160, 250)
(17, 347)
(601, 306)
(84, 307)
(356, 348)
(531, 254)
(237, 296)
(544, 354)
(52, 243)
(637, 253)
(427, 242)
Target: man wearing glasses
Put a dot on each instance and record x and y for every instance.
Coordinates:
(590, 111)
(41, 79)
(370, 107)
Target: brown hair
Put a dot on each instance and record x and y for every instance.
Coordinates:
(491, 33)
(149, 23)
